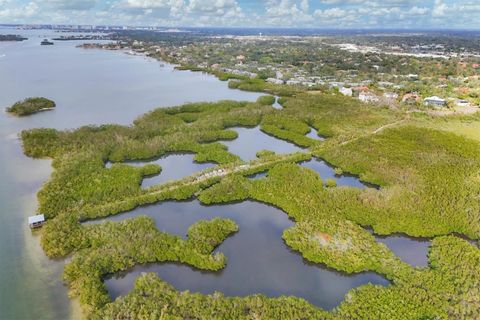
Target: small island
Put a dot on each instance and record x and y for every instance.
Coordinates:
(11, 37)
(30, 106)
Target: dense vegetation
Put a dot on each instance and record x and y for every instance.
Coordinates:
(30, 106)
(428, 182)
(11, 37)
(443, 64)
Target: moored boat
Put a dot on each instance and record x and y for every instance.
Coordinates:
(45, 42)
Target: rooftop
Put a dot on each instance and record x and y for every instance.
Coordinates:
(36, 219)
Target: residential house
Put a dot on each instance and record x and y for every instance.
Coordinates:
(435, 101)
(366, 96)
(411, 98)
(346, 91)
(462, 103)
(335, 84)
(360, 89)
(390, 96)
(274, 81)
(36, 221)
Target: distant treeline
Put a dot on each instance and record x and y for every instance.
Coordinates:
(11, 37)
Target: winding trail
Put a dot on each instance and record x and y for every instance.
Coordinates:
(376, 131)
(154, 194)
(388, 126)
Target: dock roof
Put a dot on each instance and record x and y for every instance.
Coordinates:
(36, 219)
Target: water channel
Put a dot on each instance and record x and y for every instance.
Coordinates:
(258, 259)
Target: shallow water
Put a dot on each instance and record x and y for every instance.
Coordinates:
(327, 172)
(258, 259)
(413, 251)
(277, 104)
(252, 140)
(89, 87)
(174, 167)
(257, 176)
(314, 134)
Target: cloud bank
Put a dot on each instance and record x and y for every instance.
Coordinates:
(407, 14)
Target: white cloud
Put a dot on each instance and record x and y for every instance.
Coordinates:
(150, 4)
(17, 13)
(71, 4)
(301, 13)
(330, 13)
(416, 11)
(287, 12)
(439, 9)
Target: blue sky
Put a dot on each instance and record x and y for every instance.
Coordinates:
(409, 14)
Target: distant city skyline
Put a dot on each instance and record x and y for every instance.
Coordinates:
(342, 14)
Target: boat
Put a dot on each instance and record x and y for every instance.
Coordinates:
(45, 42)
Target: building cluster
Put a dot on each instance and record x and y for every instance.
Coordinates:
(369, 78)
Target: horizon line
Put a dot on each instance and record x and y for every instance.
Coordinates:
(239, 27)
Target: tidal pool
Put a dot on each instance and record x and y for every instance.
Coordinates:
(413, 251)
(277, 104)
(257, 176)
(174, 167)
(258, 259)
(314, 134)
(252, 140)
(327, 172)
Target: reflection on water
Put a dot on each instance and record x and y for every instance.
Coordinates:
(258, 176)
(252, 140)
(258, 259)
(174, 167)
(327, 172)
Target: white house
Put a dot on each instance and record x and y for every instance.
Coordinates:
(346, 91)
(36, 221)
(390, 95)
(274, 81)
(462, 103)
(293, 82)
(335, 84)
(435, 101)
(366, 96)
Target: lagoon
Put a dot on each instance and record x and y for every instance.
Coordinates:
(174, 167)
(252, 140)
(327, 172)
(258, 259)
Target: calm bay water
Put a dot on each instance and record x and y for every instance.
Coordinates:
(89, 87)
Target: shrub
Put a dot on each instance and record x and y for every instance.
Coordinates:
(266, 100)
(331, 183)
